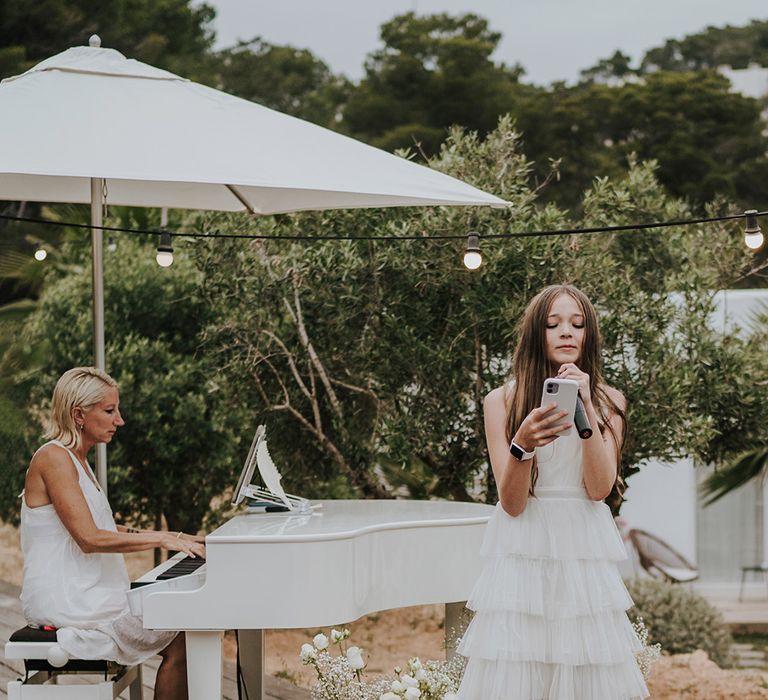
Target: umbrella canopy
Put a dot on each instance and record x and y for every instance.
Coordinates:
(160, 140)
(91, 126)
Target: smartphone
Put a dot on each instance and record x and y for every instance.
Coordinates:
(563, 392)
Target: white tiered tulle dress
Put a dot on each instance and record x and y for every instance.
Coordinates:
(550, 620)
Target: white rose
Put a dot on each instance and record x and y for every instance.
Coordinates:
(412, 694)
(409, 681)
(389, 696)
(308, 653)
(336, 636)
(355, 658)
(420, 675)
(320, 641)
(397, 686)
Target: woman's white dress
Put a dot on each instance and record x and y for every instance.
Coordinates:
(550, 620)
(83, 595)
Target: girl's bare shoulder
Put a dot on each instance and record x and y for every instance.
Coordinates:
(500, 395)
(615, 396)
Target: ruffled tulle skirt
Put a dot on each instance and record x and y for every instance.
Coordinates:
(550, 607)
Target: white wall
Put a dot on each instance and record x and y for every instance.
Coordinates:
(661, 500)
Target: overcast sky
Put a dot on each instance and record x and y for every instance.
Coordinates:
(552, 39)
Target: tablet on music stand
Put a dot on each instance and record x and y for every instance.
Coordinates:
(248, 467)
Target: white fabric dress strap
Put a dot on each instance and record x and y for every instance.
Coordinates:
(85, 471)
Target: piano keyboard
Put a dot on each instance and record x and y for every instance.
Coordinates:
(179, 573)
(182, 568)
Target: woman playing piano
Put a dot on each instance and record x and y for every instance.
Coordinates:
(550, 620)
(74, 573)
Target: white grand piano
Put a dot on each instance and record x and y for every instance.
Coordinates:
(322, 567)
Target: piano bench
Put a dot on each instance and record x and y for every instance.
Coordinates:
(45, 662)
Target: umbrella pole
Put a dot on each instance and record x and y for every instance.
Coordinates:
(97, 266)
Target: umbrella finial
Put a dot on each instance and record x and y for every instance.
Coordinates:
(95, 41)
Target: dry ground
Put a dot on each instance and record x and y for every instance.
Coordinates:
(390, 638)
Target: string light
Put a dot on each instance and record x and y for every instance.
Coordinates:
(40, 253)
(164, 255)
(472, 257)
(753, 236)
(111, 245)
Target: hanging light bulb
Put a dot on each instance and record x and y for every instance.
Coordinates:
(164, 255)
(472, 257)
(41, 253)
(111, 245)
(753, 236)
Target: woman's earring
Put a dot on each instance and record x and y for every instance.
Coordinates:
(81, 426)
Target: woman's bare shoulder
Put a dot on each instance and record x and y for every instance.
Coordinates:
(52, 457)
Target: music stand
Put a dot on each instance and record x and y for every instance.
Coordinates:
(272, 498)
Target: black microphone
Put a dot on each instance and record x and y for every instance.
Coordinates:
(581, 421)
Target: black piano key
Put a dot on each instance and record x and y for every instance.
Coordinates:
(182, 568)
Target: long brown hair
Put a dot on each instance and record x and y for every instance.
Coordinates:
(530, 367)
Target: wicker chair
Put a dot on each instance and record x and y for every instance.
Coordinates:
(660, 560)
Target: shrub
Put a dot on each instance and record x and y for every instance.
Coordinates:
(679, 619)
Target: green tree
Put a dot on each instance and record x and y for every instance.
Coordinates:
(617, 67)
(707, 140)
(715, 46)
(176, 451)
(290, 80)
(432, 72)
(171, 34)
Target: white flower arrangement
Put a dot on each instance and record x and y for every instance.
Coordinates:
(650, 653)
(340, 677)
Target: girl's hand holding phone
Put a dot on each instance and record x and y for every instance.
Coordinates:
(540, 427)
(571, 371)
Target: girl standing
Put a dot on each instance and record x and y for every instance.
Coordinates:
(550, 620)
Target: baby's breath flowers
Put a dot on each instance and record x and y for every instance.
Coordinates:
(340, 676)
(650, 653)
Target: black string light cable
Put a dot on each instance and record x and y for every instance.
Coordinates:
(436, 237)
(753, 233)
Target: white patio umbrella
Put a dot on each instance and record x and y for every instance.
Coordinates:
(90, 126)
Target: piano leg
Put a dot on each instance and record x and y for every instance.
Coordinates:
(251, 647)
(204, 664)
(455, 623)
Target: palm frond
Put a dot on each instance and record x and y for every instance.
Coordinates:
(742, 469)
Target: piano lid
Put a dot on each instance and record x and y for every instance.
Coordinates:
(344, 519)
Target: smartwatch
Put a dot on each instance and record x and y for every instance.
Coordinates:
(519, 453)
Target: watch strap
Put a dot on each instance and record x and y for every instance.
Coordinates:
(519, 453)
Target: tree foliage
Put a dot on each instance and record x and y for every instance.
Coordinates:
(171, 34)
(737, 47)
(432, 72)
(287, 79)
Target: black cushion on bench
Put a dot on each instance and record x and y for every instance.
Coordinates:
(33, 634)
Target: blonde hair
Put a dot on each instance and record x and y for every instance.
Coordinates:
(79, 387)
